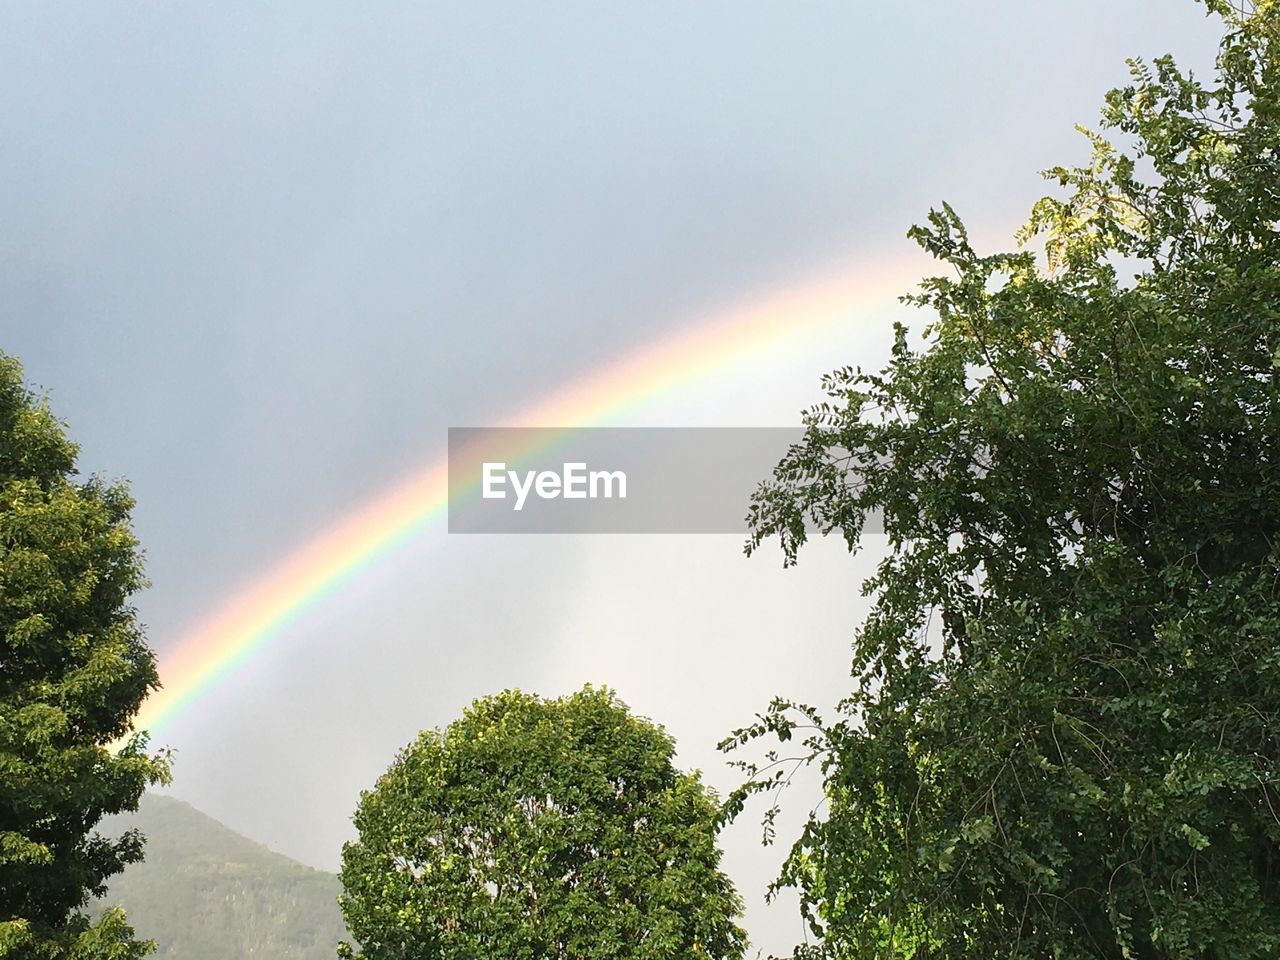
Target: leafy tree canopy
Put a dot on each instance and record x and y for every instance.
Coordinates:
(74, 669)
(1064, 734)
(536, 829)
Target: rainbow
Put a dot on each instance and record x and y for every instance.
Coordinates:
(216, 647)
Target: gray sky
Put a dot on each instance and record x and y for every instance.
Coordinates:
(262, 256)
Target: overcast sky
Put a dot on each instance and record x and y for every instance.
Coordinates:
(262, 256)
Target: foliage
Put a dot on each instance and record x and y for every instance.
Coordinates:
(207, 893)
(73, 670)
(534, 828)
(1064, 734)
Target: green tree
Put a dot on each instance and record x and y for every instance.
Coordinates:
(1063, 738)
(73, 670)
(533, 829)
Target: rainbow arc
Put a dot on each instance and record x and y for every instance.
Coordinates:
(218, 645)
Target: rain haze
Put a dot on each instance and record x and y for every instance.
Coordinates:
(262, 257)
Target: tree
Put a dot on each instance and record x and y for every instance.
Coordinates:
(74, 669)
(1063, 738)
(532, 829)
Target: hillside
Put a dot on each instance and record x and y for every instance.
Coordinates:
(205, 892)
